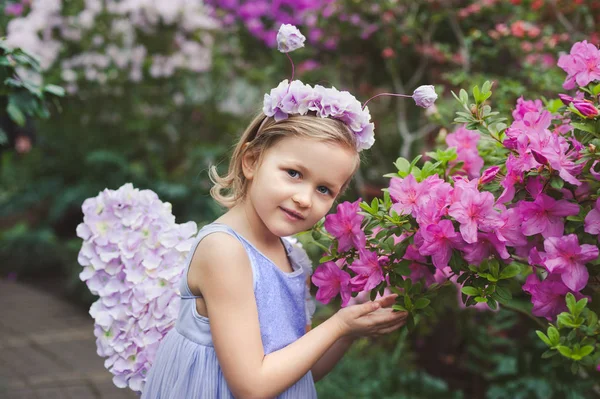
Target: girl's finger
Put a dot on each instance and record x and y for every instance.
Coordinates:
(387, 300)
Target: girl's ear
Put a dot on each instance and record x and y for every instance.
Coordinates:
(249, 163)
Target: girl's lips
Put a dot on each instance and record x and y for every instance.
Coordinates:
(291, 215)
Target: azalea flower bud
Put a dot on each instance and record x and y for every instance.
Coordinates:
(586, 108)
(489, 174)
(425, 96)
(539, 157)
(565, 99)
(289, 38)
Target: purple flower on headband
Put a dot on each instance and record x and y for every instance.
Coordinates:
(425, 96)
(289, 38)
(297, 98)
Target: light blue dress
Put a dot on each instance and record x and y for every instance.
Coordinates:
(186, 365)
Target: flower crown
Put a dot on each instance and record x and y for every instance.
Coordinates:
(299, 98)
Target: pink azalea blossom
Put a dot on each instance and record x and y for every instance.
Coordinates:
(418, 272)
(439, 239)
(474, 211)
(345, 226)
(405, 193)
(566, 257)
(368, 270)
(582, 65)
(514, 175)
(548, 296)
(331, 281)
(510, 230)
(592, 220)
(559, 155)
(546, 215)
(525, 106)
(463, 139)
(487, 244)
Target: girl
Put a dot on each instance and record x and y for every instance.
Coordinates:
(241, 330)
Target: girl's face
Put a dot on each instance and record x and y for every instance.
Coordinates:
(297, 176)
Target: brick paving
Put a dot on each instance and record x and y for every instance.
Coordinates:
(48, 349)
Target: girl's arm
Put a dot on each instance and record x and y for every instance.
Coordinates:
(333, 355)
(224, 277)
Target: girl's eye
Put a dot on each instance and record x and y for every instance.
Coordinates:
(293, 173)
(325, 190)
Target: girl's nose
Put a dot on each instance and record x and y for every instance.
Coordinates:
(302, 199)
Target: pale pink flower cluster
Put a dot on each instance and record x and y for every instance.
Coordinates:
(133, 256)
(49, 34)
(299, 98)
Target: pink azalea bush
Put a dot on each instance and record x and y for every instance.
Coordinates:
(500, 203)
(132, 256)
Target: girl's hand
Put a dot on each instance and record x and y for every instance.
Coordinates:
(370, 318)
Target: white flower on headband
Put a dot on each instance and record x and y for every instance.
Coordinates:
(425, 96)
(289, 38)
(299, 98)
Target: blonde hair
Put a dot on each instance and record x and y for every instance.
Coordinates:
(262, 133)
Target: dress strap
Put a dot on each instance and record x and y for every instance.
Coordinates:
(185, 292)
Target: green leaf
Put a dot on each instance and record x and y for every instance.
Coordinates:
(553, 335)
(464, 97)
(570, 299)
(477, 94)
(503, 293)
(549, 353)
(557, 183)
(586, 350)
(399, 307)
(544, 338)
(586, 126)
(402, 165)
(592, 319)
(580, 305)
(596, 89)
(554, 105)
(3, 137)
(326, 258)
(565, 351)
(407, 301)
(510, 271)
(471, 291)
(375, 205)
(54, 89)
(15, 114)
(422, 303)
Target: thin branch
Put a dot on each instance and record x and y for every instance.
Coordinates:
(464, 47)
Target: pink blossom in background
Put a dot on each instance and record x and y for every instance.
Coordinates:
(345, 226)
(582, 65)
(566, 257)
(331, 281)
(14, 9)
